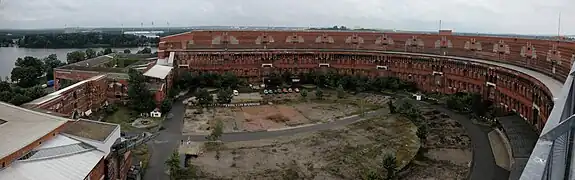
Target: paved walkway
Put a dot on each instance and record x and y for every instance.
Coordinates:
(484, 166)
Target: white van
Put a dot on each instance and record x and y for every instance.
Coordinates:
(236, 93)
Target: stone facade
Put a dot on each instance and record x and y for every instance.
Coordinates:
(366, 53)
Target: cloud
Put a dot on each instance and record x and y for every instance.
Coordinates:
(509, 16)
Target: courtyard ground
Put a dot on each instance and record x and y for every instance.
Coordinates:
(344, 153)
(286, 110)
(446, 153)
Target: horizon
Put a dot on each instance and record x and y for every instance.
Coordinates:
(486, 16)
(295, 28)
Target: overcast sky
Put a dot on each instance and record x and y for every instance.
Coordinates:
(488, 16)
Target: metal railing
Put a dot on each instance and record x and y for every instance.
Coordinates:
(552, 158)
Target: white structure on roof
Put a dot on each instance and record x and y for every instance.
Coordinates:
(167, 61)
(158, 71)
(20, 127)
(61, 158)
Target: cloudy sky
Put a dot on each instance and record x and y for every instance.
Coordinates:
(489, 16)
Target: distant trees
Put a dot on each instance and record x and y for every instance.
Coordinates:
(75, 56)
(85, 40)
(90, 53)
(139, 95)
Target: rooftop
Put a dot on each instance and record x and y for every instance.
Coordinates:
(56, 94)
(90, 129)
(158, 71)
(61, 158)
(114, 63)
(22, 127)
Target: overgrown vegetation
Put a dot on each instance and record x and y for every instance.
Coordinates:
(177, 172)
(140, 97)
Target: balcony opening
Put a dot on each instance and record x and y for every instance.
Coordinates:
(267, 65)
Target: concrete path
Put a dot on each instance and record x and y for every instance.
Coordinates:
(484, 166)
(165, 143)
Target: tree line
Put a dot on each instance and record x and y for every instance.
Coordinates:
(84, 40)
(27, 77)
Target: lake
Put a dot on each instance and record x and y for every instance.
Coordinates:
(8, 55)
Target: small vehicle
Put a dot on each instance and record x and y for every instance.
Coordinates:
(279, 91)
(284, 90)
(265, 91)
(290, 90)
(236, 93)
(296, 90)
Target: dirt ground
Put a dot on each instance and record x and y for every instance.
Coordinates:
(293, 112)
(344, 153)
(446, 153)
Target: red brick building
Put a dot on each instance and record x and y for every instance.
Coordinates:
(38, 146)
(78, 99)
(521, 75)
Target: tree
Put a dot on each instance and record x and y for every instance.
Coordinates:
(391, 107)
(108, 51)
(217, 131)
(173, 164)
(127, 51)
(76, 56)
(27, 71)
(319, 93)
(139, 95)
(90, 53)
(389, 163)
(422, 132)
(225, 96)
(340, 92)
(204, 97)
(177, 172)
(50, 63)
(19, 99)
(166, 105)
(303, 93)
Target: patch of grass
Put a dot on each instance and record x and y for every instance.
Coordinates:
(141, 153)
(122, 117)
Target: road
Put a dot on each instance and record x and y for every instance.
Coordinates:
(484, 166)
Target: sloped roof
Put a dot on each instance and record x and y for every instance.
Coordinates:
(158, 71)
(61, 158)
(23, 126)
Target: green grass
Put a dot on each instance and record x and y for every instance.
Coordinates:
(121, 117)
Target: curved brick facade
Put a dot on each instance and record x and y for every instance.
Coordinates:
(253, 54)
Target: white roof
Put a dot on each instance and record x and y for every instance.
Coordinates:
(22, 127)
(61, 158)
(158, 71)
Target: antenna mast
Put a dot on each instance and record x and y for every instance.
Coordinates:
(440, 25)
(559, 26)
